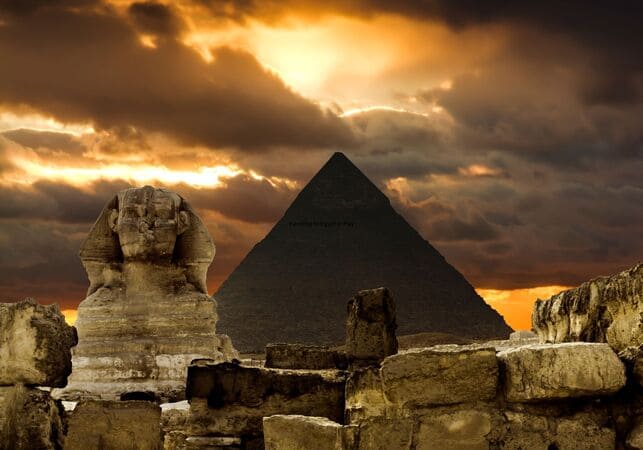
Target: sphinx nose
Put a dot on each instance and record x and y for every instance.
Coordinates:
(145, 225)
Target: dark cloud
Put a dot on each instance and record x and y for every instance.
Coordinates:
(40, 260)
(59, 202)
(156, 18)
(20, 7)
(97, 70)
(243, 198)
(597, 23)
(46, 139)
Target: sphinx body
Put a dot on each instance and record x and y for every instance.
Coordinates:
(147, 313)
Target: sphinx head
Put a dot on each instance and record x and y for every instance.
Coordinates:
(147, 225)
(148, 222)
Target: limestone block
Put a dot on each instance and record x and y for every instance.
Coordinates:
(29, 419)
(635, 436)
(606, 309)
(364, 395)
(457, 430)
(379, 433)
(575, 434)
(115, 425)
(296, 432)
(543, 372)
(440, 375)
(529, 431)
(35, 344)
(522, 335)
(526, 431)
(370, 327)
(298, 356)
(230, 400)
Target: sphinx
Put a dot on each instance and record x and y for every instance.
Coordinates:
(147, 313)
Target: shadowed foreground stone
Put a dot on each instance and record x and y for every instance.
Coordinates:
(370, 327)
(298, 356)
(558, 371)
(114, 425)
(35, 344)
(296, 432)
(364, 395)
(440, 375)
(230, 400)
(29, 419)
(606, 309)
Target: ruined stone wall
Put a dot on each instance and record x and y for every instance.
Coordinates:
(553, 396)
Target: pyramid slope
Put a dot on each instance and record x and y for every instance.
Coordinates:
(341, 235)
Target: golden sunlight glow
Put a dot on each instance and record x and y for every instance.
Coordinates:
(352, 112)
(70, 316)
(478, 170)
(141, 174)
(147, 41)
(516, 305)
(37, 122)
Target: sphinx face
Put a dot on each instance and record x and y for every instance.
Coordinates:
(148, 222)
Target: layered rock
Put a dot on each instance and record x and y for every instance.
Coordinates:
(364, 395)
(370, 327)
(35, 344)
(440, 375)
(298, 356)
(29, 419)
(147, 313)
(606, 309)
(231, 400)
(35, 350)
(114, 425)
(296, 432)
(539, 372)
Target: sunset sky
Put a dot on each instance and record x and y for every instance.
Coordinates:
(510, 134)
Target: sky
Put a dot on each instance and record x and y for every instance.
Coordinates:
(509, 134)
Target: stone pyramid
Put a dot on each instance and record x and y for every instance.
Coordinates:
(341, 235)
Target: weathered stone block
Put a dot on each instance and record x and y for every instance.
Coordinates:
(529, 431)
(457, 430)
(29, 419)
(115, 425)
(35, 344)
(440, 375)
(543, 372)
(364, 395)
(522, 335)
(298, 356)
(230, 400)
(635, 436)
(606, 309)
(296, 432)
(380, 433)
(370, 327)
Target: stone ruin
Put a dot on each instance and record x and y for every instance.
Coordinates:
(606, 309)
(513, 394)
(147, 313)
(35, 344)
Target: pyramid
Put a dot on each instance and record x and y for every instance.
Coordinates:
(339, 236)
